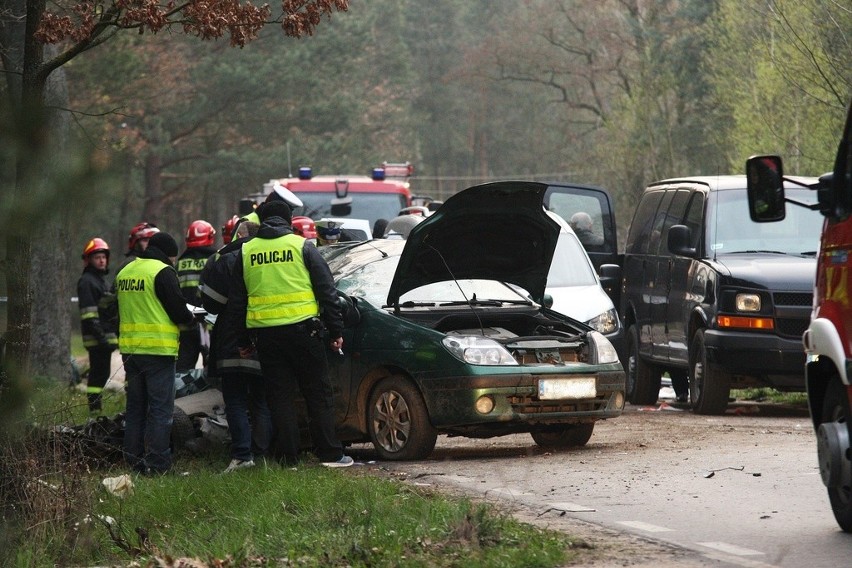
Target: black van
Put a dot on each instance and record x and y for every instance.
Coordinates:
(713, 298)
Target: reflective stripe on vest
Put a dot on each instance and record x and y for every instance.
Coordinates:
(278, 282)
(145, 328)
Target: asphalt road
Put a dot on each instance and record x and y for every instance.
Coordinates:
(736, 490)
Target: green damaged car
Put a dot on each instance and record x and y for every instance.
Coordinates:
(447, 333)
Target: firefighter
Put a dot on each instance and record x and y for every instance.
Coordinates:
(151, 307)
(200, 236)
(305, 227)
(98, 331)
(228, 229)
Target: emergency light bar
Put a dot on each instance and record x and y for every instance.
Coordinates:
(398, 170)
(305, 172)
(378, 174)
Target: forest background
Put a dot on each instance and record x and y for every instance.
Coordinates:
(614, 93)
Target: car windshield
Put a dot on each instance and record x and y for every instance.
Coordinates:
(732, 231)
(570, 265)
(371, 206)
(372, 281)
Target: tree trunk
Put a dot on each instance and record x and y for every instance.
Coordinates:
(153, 187)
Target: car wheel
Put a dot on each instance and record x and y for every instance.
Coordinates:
(709, 388)
(643, 380)
(183, 429)
(398, 421)
(564, 436)
(835, 413)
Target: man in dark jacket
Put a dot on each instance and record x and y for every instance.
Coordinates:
(242, 382)
(98, 331)
(285, 294)
(151, 307)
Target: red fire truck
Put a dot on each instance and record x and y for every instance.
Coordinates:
(828, 339)
(380, 195)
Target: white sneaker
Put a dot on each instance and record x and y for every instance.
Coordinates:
(238, 464)
(344, 461)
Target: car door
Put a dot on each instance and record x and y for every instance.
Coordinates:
(688, 283)
(671, 273)
(636, 289)
(656, 280)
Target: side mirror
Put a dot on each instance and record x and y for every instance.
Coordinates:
(765, 188)
(349, 310)
(680, 238)
(610, 275)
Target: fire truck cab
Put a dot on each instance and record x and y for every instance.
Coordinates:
(380, 195)
(828, 339)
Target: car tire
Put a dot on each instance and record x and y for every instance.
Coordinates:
(642, 380)
(564, 435)
(183, 429)
(398, 421)
(835, 408)
(709, 388)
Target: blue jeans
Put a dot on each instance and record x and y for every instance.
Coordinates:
(150, 386)
(248, 415)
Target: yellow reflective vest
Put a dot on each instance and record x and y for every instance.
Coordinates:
(144, 326)
(278, 282)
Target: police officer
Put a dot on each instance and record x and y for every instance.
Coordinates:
(282, 286)
(151, 307)
(243, 388)
(200, 236)
(98, 331)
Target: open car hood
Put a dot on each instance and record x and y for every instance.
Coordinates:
(494, 231)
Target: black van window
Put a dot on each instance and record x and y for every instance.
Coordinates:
(659, 222)
(675, 214)
(693, 217)
(640, 228)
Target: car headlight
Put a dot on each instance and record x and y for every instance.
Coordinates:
(601, 350)
(605, 323)
(478, 350)
(748, 302)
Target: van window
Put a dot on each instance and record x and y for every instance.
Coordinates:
(654, 238)
(675, 214)
(693, 217)
(640, 229)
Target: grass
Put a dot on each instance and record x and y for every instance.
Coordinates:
(264, 516)
(766, 394)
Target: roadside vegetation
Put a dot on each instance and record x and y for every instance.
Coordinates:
(56, 512)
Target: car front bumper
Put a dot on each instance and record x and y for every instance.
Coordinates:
(755, 354)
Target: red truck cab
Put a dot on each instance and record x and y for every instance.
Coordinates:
(381, 195)
(828, 339)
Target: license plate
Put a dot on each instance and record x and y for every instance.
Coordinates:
(560, 389)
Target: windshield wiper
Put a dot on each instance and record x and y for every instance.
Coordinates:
(410, 304)
(809, 253)
(473, 302)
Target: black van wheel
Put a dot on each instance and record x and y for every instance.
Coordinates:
(643, 380)
(709, 388)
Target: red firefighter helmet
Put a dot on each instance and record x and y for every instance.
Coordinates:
(95, 245)
(200, 234)
(142, 230)
(304, 226)
(228, 229)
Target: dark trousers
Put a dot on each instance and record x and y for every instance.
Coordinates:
(190, 348)
(295, 362)
(247, 413)
(99, 368)
(150, 386)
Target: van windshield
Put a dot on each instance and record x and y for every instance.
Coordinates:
(731, 230)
